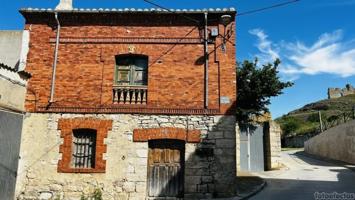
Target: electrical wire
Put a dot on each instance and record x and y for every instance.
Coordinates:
(166, 9)
(267, 8)
(238, 14)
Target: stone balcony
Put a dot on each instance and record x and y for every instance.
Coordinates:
(130, 94)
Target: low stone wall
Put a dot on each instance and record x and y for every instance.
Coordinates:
(206, 175)
(337, 143)
(297, 141)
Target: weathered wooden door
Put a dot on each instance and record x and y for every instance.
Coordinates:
(166, 169)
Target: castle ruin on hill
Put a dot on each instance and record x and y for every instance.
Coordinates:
(334, 93)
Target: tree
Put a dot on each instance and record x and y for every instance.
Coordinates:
(289, 125)
(256, 85)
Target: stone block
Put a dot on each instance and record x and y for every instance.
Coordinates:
(141, 187)
(136, 196)
(192, 180)
(225, 143)
(229, 134)
(163, 120)
(45, 195)
(55, 187)
(207, 179)
(129, 187)
(196, 171)
(122, 196)
(166, 124)
(215, 135)
(203, 188)
(142, 153)
(190, 188)
(130, 169)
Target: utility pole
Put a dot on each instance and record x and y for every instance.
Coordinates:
(248, 133)
(320, 121)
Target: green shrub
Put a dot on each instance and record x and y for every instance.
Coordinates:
(313, 117)
(333, 118)
(96, 195)
(290, 125)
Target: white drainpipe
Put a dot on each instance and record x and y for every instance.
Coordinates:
(206, 60)
(55, 58)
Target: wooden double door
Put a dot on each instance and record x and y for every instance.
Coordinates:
(166, 169)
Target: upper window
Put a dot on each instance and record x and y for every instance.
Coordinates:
(84, 148)
(131, 70)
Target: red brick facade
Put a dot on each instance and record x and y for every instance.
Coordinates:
(66, 127)
(144, 135)
(86, 62)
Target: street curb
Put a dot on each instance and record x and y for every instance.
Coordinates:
(257, 190)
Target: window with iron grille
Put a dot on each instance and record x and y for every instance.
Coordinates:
(84, 148)
(131, 70)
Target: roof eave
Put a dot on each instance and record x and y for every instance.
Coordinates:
(131, 11)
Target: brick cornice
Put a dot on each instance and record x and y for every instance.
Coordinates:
(144, 135)
(128, 110)
(126, 40)
(66, 126)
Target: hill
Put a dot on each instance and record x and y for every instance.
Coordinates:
(306, 119)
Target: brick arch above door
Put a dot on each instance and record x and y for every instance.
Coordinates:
(144, 135)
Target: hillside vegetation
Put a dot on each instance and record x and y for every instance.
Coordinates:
(306, 119)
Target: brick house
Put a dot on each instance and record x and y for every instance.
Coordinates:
(129, 102)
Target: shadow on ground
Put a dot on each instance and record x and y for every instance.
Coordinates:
(317, 160)
(247, 183)
(332, 180)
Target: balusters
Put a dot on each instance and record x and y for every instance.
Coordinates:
(144, 96)
(133, 96)
(139, 99)
(114, 95)
(129, 95)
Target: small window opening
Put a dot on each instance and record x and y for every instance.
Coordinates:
(84, 148)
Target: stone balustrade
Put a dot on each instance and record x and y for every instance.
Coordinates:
(130, 94)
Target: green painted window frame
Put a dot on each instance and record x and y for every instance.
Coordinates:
(131, 68)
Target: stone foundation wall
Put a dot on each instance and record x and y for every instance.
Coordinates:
(210, 166)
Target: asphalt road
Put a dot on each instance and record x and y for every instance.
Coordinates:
(304, 177)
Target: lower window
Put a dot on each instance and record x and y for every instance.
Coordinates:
(84, 148)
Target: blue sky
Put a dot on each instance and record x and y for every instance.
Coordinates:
(315, 39)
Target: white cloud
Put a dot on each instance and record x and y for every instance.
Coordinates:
(328, 54)
(268, 53)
